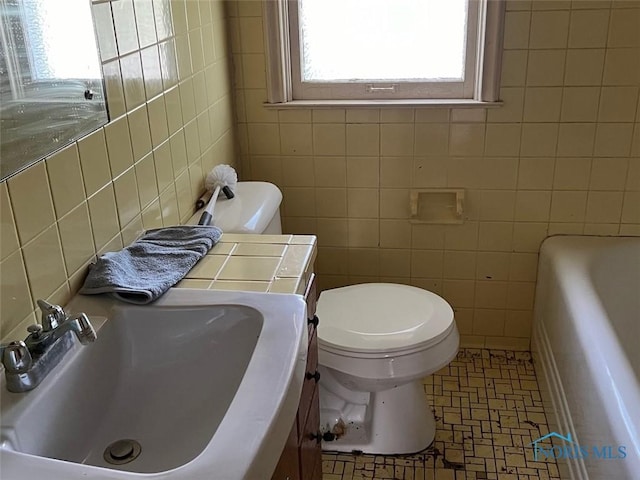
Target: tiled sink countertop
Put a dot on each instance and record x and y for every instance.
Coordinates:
(259, 263)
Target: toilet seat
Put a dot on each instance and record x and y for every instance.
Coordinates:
(354, 320)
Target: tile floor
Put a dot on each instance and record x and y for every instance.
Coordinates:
(488, 409)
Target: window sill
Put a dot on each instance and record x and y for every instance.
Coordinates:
(404, 103)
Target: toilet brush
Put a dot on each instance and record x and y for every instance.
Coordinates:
(222, 177)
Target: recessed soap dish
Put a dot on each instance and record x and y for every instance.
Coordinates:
(444, 206)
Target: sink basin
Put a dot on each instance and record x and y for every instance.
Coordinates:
(200, 384)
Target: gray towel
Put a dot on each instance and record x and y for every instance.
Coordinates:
(143, 271)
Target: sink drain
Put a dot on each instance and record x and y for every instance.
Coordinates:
(122, 451)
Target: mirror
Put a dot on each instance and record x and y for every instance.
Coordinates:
(51, 88)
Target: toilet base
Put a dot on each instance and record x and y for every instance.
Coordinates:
(394, 421)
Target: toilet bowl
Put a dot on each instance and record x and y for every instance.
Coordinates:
(376, 342)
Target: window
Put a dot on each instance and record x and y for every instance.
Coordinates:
(388, 51)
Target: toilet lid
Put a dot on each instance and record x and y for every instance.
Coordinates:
(377, 317)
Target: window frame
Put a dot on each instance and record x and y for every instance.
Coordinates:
(281, 81)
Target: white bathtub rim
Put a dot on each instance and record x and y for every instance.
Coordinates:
(601, 339)
(548, 372)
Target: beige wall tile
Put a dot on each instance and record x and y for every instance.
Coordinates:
(151, 71)
(104, 216)
(331, 202)
(533, 206)
(363, 139)
(158, 120)
(146, 180)
(580, 104)
(31, 201)
(618, 104)
(396, 139)
(429, 172)
(514, 68)
(608, 173)
(139, 131)
(332, 232)
(329, 139)
(126, 191)
(427, 264)
(568, 207)
(542, 104)
(15, 294)
(584, 67)
(576, 139)
(132, 80)
(94, 161)
(297, 171)
(363, 171)
(431, 139)
(76, 238)
(535, 173)
(549, 29)
(623, 30)
(621, 67)
(516, 33)
(330, 171)
(572, 173)
(113, 87)
(613, 139)
(589, 28)
(44, 263)
(604, 207)
(502, 139)
(546, 67)
(467, 139)
(119, 146)
(9, 235)
(395, 233)
(362, 203)
(539, 139)
(162, 157)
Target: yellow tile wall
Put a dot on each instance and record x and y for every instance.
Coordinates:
(166, 67)
(561, 156)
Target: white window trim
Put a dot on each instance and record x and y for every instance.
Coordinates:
(278, 55)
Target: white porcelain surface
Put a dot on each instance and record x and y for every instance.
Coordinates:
(382, 317)
(253, 209)
(585, 342)
(208, 382)
(376, 342)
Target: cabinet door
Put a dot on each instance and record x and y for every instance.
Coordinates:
(310, 449)
(311, 378)
(288, 467)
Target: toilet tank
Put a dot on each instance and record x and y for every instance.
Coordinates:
(255, 208)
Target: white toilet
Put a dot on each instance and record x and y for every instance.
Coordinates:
(376, 342)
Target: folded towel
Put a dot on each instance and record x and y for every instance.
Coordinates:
(143, 271)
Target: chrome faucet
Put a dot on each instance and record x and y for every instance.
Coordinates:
(27, 363)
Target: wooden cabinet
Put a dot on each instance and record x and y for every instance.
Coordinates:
(301, 458)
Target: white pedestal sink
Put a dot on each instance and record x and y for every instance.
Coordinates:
(206, 384)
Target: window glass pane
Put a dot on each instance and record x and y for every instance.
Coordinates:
(365, 40)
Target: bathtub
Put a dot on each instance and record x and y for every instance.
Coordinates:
(586, 345)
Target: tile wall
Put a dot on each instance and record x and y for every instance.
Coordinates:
(561, 156)
(167, 76)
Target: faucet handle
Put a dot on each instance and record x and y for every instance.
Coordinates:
(52, 315)
(86, 333)
(16, 357)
